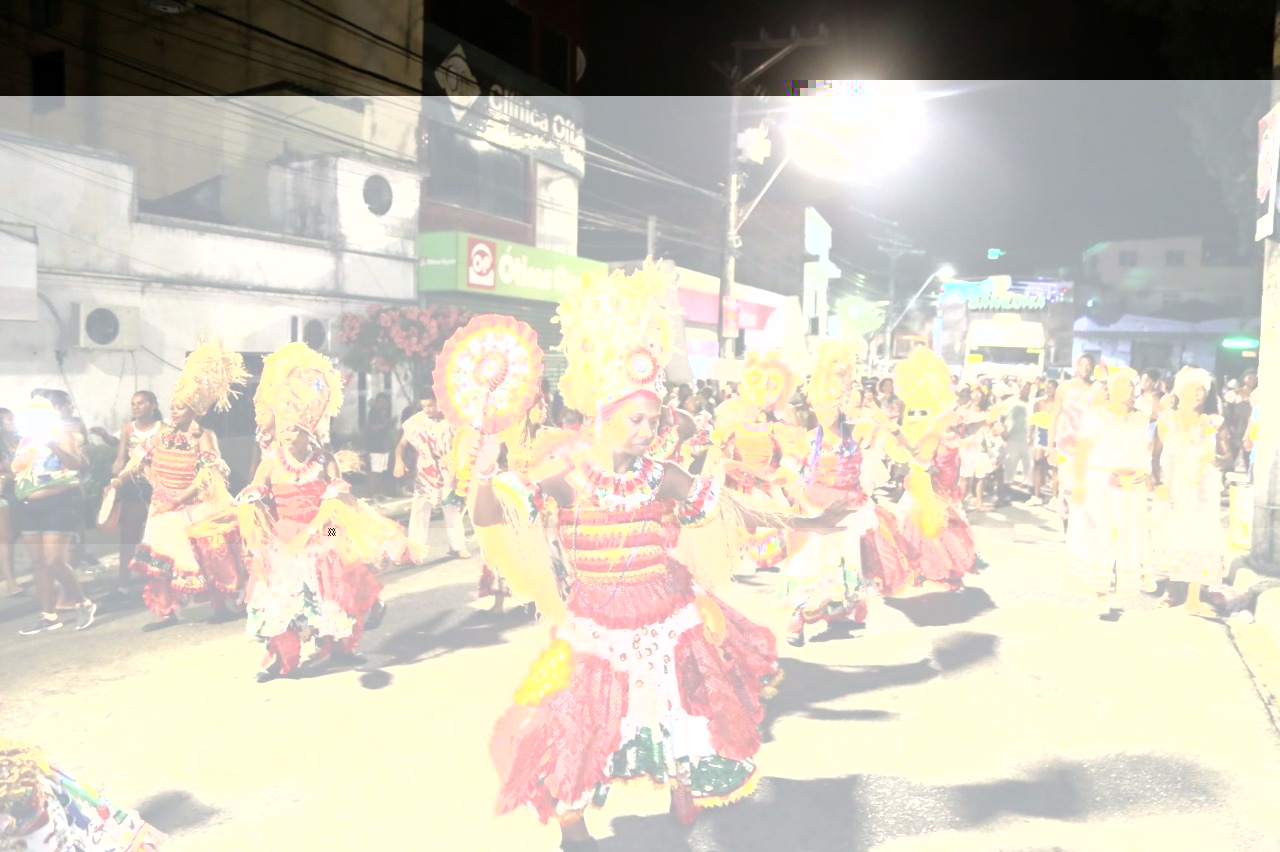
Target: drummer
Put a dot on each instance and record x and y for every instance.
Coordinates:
(134, 495)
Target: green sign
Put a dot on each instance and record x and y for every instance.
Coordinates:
(994, 254)
(1241, 343)
(453, 261)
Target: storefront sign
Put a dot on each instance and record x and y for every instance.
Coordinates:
(1013, 302)
(452, 261)
(481, 95)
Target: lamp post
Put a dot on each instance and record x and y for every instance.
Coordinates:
(851, 130)
(945, 272)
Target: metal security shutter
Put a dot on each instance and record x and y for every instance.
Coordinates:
(537, 315)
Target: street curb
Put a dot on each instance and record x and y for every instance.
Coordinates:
(1260, 653)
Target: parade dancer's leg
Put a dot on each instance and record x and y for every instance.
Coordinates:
(454, 530)
(574, 836)
(285, 653)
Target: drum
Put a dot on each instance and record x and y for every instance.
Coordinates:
(219, 549)
(109, 514)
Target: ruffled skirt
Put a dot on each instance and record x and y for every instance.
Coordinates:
(944, 558)
(77, 819)
(659, 702)
(824, 575)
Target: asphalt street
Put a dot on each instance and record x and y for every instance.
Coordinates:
(1002, 717)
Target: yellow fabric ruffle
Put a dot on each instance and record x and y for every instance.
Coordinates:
(928, 511)
(748, 787)
(361, 535)
(548, 675)
(517, 551)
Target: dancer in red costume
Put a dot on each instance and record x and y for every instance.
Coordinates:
(648, 675)
(189, 479)
(312, 542)
(931, 510)
(750, 433)
(829, 578)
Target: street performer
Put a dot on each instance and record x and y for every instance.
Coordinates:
(648, 674)
(189, 486)
(311, 543)
(830, 577)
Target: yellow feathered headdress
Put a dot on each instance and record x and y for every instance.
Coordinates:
(208, 378)
(1189, 378)
(618, 337)
(767, 380)
(837, 370)
(923, 382)
(301, 388)
(1121, 373)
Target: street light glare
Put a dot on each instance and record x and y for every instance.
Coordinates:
(870, 127)
(947, 271)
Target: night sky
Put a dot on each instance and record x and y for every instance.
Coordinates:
(1041, 169)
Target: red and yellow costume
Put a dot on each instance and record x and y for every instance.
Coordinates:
(43, 809)
(930, 512)
(751, 431)
(648, 675)
(829, 577)
(182, 556)
(311, 543)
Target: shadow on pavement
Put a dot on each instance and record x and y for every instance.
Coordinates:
(176, 810)
(806, 685)
(446, 623)
(861, 812)
(943, 609)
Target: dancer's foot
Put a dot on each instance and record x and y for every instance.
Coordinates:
(796, 639)
(85, 613)
(272, 671)
(682, 807)
(376, 615)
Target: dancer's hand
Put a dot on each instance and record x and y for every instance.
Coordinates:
(398, 471)
(484, 449)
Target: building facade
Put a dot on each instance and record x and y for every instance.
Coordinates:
(1165, 303)
(55, 48)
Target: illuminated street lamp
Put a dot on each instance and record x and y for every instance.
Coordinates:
(846, 128)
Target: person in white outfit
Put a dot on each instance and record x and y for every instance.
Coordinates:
(433, 485)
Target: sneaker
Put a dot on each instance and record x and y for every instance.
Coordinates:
(1035, 501)
(85, 613)
(42, 625)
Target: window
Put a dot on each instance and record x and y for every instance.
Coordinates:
(1175, 257)
(470, 173)
(555, 58)
(1129, 257)
(49, 80)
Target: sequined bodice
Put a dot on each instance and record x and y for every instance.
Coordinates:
(600, 541)
(174, 468)
(298, 503)
(838, 468)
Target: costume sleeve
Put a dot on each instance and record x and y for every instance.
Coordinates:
(699, 507)
(517, 549)
(211, 477)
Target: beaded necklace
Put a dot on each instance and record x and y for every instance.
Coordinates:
(298, 471)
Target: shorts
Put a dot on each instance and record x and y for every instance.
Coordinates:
(378, 462)
(61, 514)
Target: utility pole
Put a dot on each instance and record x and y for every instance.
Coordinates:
(1264, 553)
(779, 49)
(893, 249)
(652, 237)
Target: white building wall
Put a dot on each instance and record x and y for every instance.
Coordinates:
(188, 281)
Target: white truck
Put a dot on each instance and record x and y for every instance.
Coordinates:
(1004, 346)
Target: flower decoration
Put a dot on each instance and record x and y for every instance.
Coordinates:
(487, 375)
(397, 339)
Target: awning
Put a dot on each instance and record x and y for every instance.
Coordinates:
(702, 308)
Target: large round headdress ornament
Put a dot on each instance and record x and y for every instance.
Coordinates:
(487, 375)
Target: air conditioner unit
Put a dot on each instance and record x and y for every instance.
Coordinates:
(320, 334)
(106, 326)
